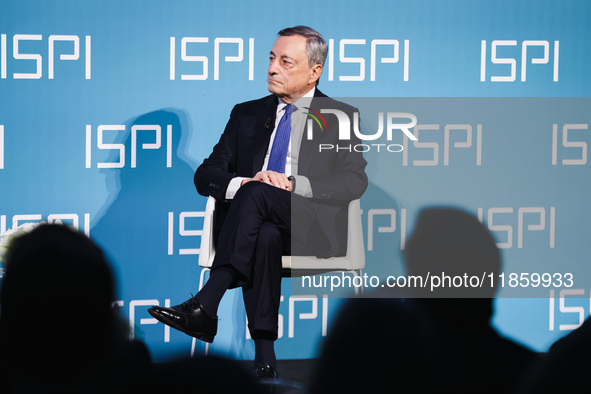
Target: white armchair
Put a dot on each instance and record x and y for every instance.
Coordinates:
(353, 262)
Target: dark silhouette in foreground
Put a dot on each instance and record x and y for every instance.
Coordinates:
(58, 330)
(424, 339)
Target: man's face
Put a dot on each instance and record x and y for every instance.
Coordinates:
(289, 75)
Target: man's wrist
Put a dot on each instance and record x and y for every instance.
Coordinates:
(233, 187)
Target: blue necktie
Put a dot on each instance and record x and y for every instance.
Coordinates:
(280, 143)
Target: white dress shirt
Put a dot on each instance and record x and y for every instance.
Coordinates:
(298, 121)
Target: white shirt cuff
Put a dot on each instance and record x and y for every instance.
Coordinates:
(303, 187)
(233, 187)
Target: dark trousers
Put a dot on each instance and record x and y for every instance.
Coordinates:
(257, 231)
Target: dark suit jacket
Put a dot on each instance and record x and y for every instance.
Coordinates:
(336, 176)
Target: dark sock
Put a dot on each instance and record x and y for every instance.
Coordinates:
(265, 352)
(214, 289)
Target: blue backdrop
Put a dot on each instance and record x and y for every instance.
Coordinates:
(107, 108)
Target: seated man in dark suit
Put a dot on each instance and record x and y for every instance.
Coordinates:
(277, 194)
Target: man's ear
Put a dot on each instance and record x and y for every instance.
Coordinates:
(316, 73)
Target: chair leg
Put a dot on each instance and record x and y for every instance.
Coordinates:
(194, 342)
(355, 273)
(360, 289)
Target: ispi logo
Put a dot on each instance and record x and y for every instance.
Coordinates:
(390, 122)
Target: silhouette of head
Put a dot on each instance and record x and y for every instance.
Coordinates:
(397, 350)
(460, 257)
(55, 301)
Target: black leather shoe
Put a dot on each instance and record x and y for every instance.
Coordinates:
(188, 317)
(264, 371)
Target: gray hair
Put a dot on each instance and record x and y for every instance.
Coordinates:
(316, 47)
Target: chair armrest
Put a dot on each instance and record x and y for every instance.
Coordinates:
(207, 249)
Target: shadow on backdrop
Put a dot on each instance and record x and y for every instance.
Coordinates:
(139, 226)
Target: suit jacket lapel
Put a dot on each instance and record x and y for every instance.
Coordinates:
(263, 128)
(308, 147)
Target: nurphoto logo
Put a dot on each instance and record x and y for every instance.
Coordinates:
(388, 124)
